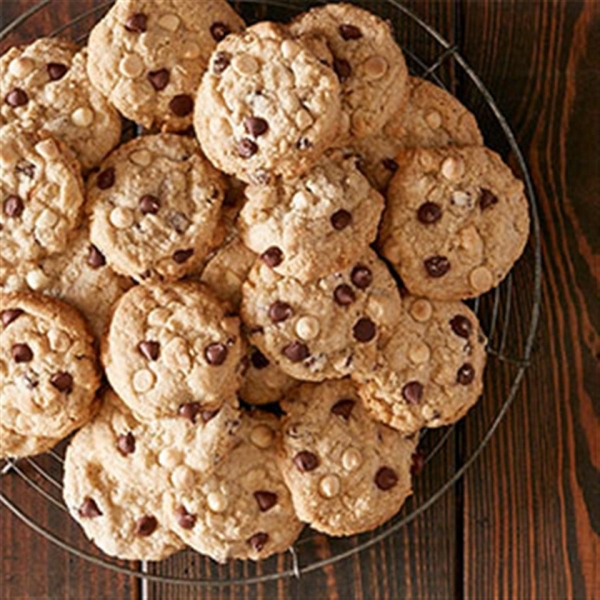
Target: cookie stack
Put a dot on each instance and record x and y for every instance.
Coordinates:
(236, 272)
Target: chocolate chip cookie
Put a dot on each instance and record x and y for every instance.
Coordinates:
(456, 222)
(45, 86)
(347, 473)
(19, 445)
(148, 56)
(154, 205)
(429, 369)
(172, 349)
(266, 106)
(321, 222)
(323, 329)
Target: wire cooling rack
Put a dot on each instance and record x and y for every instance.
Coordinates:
(509, 315)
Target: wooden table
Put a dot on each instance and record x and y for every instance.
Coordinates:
(525, 520)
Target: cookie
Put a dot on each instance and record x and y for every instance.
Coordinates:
(154, 207)
(46, 87)
(148, 56)
(321, 222)
(456, 222)
(242, 508)
(347, 473)
(429, 369)
(323, 329)
(42, 196)
(266, 106)
(432, 118)
(79, 276)
(172, 349)
(368, 62)
(48, 367)
(19, 445)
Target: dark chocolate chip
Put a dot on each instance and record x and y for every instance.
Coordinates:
(341, 219)
(220, 62)
(258, 541)
(487, 199)
(185, 520)
(256, 126)
(10, 315)
(26, 168)
(181, 105)
(265, 500)
(390, 164)
(386, 479)
(216, 354)
(149, 349)
(106, 179)
(146, 526)
(306, 461)
(16, 97)
(22, 353)
(412, 392)
(280, 312)
(272, 257)
(465, 374)
(149, 205)
(95, 258)
(89, 509)
(362, 277)
(364, 330)
(303, 144)
(437, 266)
(189, 411)
(208, 415)
(137, 23)
(343, 408)
(13, 206)
(247, 148)
(259, 360)
(429, 213)
(62, 381)
(350, 32)
(126, 443)
(342, 68)
(461, 326)
(182, 256)
(159, 79)
(219, 31)
(56, 71)
(296, 352)
(344, 295)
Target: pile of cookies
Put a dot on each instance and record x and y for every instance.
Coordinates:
(217, 304)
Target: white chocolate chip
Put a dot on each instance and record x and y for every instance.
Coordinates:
(59, 340)
(170, 22)
(375, 68)
(183, 478)
(481, 279)
(352, 459)
(170, 458)
(191, 50)
(21, 67)
(461, 199)
(216, 502)
(82, 117)
(158, 317)
(262, 436)
(122, 218)
(47, 149)
(308, 328)
(245, 64)
(329, 486)
(303, 119)
(143, 380)
(289, 49)
(47, 219)
(421, 310)
(453, 168)
(434, 119)
(131, 66)
(419, 353)
(470, 239)
(37, 280)
(301, 200)
(141, 158)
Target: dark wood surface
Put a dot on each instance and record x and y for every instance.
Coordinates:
(525, 520)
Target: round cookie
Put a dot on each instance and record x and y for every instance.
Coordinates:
(266, 106)
(42, 196)
(48, 371)
(456, 222)
(172, 349)
(347, 473)
(46, 87)
(429, 369)
(368, 61)
(322, 221)
(323, 329)
(148, 56)
(432, 118)
(19, 445)
(242, 509)
(154, 207)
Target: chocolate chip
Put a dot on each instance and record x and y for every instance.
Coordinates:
(429, 213)
(181, 105)
(259, 360)
(189, 411)
(362, 277)
(390, 164)
(350, 32)
(146, 526)
(62, 381)
(412, 392)
(247, 148)
(16, 97)
(364, 330)
(344, 295)
(487, 199)
(149, 205)
(343, 408)
(341, 219)
(265, 500)
(461, 326)
(149, 349)
(418, 462)
(10, 315)
(280, 311)
(303, 144)
(219, 31)
(56, 71)
(296, 351)
(13, 206)
(95, 258)
(342, 68)
(89, 509)
(185, 520)
(258, 541)
(106, 179)
(208, 415)
(216, 354)
(256, 126)
(386, 479)
(26, 168)
(220, 63)
(306, 461)
(159, 79)
(437, 266)
(126, 443)
(465, 374)
(182, 256)
(22, 353)
(272, 257)
(137, 23)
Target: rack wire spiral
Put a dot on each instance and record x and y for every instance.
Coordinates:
(509, 314)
